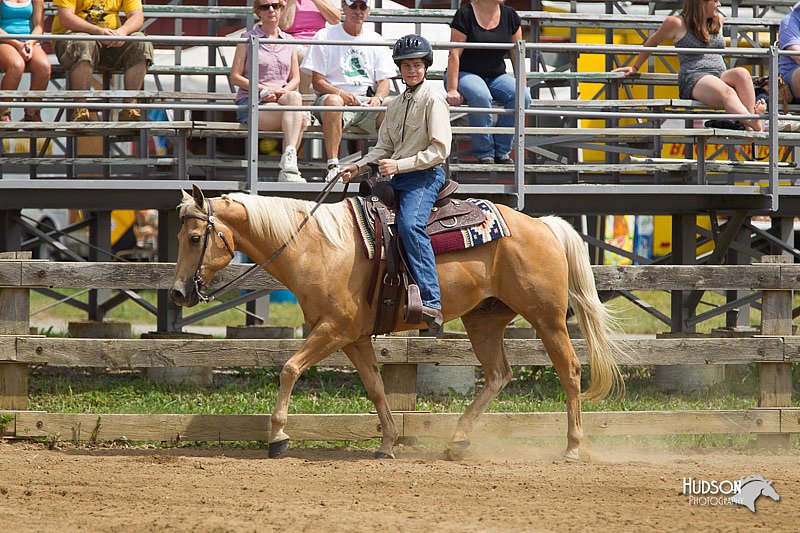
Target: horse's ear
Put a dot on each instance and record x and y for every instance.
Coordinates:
(199, 198)
(186, 196)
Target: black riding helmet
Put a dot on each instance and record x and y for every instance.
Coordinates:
(412, 47)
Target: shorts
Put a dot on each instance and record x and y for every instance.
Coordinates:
(360, 121)
(786, 72)
(243, 115)
(70, 53)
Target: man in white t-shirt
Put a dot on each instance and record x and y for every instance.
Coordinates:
(351, 75)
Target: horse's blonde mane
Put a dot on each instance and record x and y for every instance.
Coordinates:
(278, 218)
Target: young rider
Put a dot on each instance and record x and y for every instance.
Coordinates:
(413, 142)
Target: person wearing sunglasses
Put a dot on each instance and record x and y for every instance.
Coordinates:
(349, 75)
(301, 19)
(278, 79)
(413, 142)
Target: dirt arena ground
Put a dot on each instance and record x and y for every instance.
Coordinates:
(517, 489)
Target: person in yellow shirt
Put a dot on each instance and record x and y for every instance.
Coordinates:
(80, 58)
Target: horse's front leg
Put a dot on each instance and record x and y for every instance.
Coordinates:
(319, 344)
(362, 355)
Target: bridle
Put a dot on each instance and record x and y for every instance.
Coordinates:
(210, 221)
(211, 227)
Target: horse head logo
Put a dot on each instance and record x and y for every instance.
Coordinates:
(751, 488)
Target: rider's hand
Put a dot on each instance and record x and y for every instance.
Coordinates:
(388, 167)
(454, 97)
(349, 172)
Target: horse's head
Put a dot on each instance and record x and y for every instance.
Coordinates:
(205, 246)
(768, 490)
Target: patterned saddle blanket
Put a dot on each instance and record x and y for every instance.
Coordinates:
(493, 227)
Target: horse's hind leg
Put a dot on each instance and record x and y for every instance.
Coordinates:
(485, 329)
(362, 355)
(553, 331)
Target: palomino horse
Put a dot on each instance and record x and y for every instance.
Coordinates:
(531, 273)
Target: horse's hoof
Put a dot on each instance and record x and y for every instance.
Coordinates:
(455, 450)
(383, 455)
(276, 449)
(571, 457)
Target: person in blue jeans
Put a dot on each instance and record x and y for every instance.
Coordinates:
(478, 76)
(413, 142)
(789, 39)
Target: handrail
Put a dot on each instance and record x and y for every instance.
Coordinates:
(520, 132)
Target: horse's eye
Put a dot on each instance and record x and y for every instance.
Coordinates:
(195, 239)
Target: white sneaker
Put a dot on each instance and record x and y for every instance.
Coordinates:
(289, 161)
(291, 177)
(333, 171)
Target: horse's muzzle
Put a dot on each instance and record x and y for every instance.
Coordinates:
(184, 294)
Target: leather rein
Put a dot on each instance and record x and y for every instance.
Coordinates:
(211, 220)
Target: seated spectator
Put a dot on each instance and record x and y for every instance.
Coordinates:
(16, 55)
(705, 77)
(80, 58)
(301, 19)
(789, 39)
(349, 76)
(278, 78)
(478, 76)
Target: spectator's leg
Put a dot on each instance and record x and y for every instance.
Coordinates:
(721, 93)
(134, 77)
(133, 59)
(271, 120)
(79, 59)
(13, 66)
(475, 92)
(293, 123)
(503, 89)
(39, 67)
(794, 82)
(332, 126)
(80, 76)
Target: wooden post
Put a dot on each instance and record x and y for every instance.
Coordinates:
(400, 382)
(775, 379)
(14, 320)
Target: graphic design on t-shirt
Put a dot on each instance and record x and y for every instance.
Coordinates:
(353, 67)
(96, 14)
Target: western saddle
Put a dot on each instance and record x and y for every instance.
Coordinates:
(380, 205)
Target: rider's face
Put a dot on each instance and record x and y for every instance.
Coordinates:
(412, 71)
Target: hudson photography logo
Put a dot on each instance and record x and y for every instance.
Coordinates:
(713, 492)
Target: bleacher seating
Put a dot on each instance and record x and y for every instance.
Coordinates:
(633, 153)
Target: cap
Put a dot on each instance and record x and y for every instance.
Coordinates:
(351, 2)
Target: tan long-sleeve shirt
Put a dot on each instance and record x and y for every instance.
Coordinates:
(416, 131)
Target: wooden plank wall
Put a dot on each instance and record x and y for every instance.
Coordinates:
(774, 419)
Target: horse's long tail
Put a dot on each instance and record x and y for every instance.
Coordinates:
(594, 319)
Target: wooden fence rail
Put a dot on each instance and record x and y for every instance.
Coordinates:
(773, 421)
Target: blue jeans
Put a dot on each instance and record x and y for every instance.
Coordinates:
(479, 92)
(417, 192)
